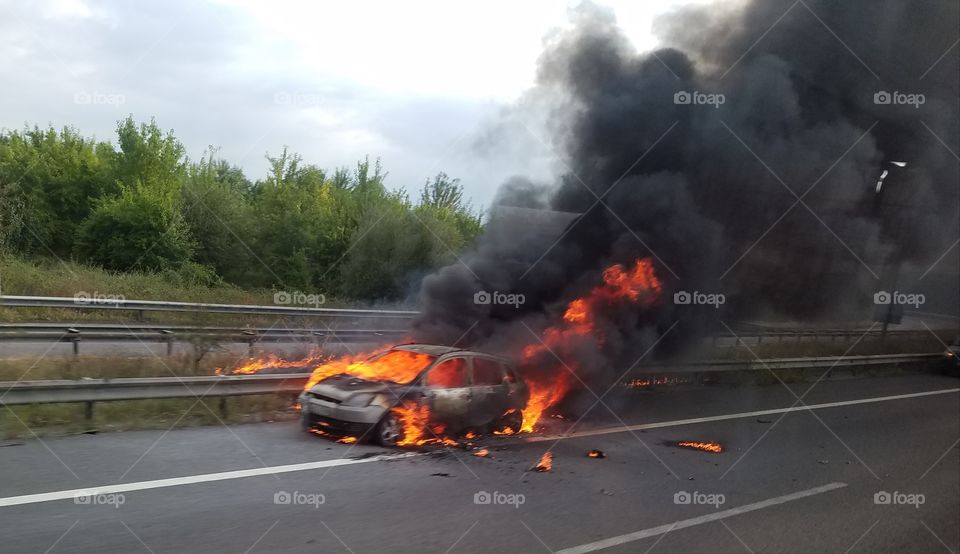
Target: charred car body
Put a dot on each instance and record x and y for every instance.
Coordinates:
(461, 389)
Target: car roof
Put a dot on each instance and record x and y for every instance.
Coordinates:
(437, 350)
(431, 349)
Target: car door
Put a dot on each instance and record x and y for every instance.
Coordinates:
(488, 394)
(448, 392)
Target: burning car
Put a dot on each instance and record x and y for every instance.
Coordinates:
(445, 389)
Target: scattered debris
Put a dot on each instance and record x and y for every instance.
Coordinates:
(596, 454)
(824, 462)
(764, 420)
(545, 463)
(482, 453)
(605, 492)
(439, 475)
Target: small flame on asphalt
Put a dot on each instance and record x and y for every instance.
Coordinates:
(482, 453)
(710, 446)
(596, 454)
(545, 463)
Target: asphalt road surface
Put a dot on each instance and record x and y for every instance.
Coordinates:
(872, 466)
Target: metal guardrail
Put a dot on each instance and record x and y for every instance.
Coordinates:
(897, 360)
(104, 390)
(169, 334)
(194, 307)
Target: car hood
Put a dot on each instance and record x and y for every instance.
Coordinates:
(342, 386)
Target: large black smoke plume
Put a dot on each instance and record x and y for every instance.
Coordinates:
(768, 198)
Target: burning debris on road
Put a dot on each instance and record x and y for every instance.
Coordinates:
(545, 464)
(714, 447)
(596, 454)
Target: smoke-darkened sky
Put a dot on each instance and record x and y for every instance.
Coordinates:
(743, 158)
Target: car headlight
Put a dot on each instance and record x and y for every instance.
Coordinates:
(357, 400)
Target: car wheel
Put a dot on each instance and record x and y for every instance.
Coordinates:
(388, 432)
(512, 419)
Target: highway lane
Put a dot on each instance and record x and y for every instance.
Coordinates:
(426, 503)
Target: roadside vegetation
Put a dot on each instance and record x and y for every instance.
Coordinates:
(138, 217)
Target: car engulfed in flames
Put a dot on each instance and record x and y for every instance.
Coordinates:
(417, 394)
(414, 394)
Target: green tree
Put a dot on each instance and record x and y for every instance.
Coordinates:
(143, 227)
(215, 206)
(49, 182)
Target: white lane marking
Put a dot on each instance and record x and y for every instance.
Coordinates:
(675, 423)
(192, 479)
(683, 524)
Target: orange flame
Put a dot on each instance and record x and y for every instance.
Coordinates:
(417, 429)
(398, 366)
(714, 447)
(343, 440)
(545, 463)
(637, 284)
(255, 365)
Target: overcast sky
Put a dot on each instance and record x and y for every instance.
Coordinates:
(414, 83)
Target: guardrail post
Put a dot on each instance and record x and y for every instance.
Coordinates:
(76, 346)
(169, 347)
(223, 407)
(88, 411)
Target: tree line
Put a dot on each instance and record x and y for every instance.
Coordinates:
(143, 205)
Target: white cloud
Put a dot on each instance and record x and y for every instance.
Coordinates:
(409, 82)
